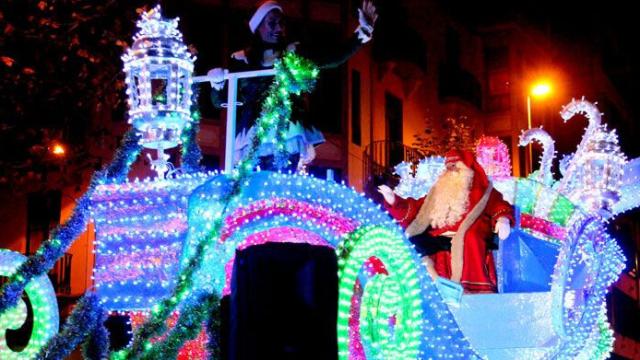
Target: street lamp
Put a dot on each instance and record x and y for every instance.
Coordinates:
(539, 90)
(58, 150)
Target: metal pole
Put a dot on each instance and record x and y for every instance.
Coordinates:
(530, 158)
(237, 75)
(232, 97)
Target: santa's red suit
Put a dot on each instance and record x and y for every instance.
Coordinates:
(470, 221)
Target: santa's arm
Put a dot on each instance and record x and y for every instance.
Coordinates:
(501, 214)
(404, 210)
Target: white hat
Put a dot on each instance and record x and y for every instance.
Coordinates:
(262, 11)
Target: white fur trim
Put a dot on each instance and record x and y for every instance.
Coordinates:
(262, 11)
(422, 220)
(457, 243)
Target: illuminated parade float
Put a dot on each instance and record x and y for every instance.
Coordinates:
(165, 247)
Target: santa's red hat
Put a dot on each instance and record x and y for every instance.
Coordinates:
(480, 178)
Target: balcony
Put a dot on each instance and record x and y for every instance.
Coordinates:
(60, 275)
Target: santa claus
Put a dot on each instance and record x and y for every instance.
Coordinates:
(452, 225)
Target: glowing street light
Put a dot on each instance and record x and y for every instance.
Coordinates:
(541, 89)
(57, 150)
(538, 90)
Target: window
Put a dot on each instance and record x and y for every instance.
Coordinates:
(393, 118)
(496, 58)
(499, 79)
(499, 91)
(452, 43)
(356, 130)
(43, 214)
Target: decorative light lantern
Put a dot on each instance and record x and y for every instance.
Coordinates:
(404, 189)
(417, 185)
(602, 165)
(592, 176)
(159, 70)
(403, 169)
(429, 170)
(493, 155)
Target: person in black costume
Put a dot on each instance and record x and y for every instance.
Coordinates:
(269, 42)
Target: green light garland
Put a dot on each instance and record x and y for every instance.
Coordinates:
(295, 75)
(380, 303)
(397, 294)
(85, 325)
(195, 312)
(561, 211)
(190, 150)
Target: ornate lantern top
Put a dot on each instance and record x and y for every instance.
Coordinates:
(158, 37)
(603, 163)
(159, 71)
(592, 177)
(417, 184)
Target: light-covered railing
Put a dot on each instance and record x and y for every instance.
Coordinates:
(232, 103)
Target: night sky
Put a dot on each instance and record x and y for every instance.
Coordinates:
(608, 29)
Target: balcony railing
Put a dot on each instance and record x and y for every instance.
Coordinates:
(60, 275)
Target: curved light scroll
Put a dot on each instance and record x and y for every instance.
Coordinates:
(45, 310)
(544, 174)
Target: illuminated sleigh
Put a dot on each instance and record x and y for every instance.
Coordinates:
(389, 308)
(380, 275)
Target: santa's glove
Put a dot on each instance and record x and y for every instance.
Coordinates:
(367, 17)
(387, 193)
(216, 77)
(503, 228)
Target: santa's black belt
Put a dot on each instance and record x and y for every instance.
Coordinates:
(427, 244)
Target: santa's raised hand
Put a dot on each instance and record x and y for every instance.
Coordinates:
(387, 193)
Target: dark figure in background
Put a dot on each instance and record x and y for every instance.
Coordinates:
(269, 42)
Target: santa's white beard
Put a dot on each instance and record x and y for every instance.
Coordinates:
(449, 200)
